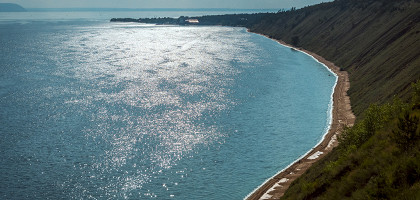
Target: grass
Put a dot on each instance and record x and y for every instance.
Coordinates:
(377, 42)
(376, 159)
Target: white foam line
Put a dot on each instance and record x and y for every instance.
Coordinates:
(329, 120)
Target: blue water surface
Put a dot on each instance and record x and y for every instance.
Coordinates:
(99, 110)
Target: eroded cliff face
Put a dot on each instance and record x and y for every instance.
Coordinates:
(376, 41)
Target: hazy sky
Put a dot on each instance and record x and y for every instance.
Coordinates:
(251, 4)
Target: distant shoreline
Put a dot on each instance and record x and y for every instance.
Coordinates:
(145, 10)
(11, 7)
(342, 116)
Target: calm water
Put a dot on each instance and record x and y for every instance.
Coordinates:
(98, 110)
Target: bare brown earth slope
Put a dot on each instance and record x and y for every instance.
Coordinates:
(376, 41)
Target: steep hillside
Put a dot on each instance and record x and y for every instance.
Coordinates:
(376, 41)
(376, 159)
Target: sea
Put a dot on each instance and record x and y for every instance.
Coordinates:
(91, 109)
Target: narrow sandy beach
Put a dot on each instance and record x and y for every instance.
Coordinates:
(342, 116)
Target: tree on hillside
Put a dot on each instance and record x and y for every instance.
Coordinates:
(416, 91)
(406, 133)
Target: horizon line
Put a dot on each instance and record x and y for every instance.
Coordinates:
(142, 9)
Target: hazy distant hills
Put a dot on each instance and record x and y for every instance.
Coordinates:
(11, 7)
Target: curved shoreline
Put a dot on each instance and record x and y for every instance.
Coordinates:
(341, 116)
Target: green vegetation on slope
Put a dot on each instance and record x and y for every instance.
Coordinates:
(376, 159)
(376, 41)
